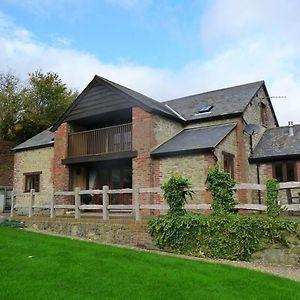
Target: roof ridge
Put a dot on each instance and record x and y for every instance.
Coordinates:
(216, 90)
(120, 85)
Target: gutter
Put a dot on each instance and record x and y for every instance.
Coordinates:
(265, 159)
(183, 152)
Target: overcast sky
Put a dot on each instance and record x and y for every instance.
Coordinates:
(164, 49)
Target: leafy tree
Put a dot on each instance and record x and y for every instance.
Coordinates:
(32, 106)
(11, 104)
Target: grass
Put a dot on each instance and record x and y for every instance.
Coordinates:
(36, 266)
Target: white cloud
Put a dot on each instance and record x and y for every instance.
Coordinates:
(251, 55)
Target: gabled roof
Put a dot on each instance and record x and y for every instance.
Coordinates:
(43, 139)
(227, 101)
(194, 140)
(118, 93)
(276, 144)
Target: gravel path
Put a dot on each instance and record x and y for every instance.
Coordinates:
(282, 271)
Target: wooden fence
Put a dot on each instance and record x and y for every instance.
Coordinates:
(5, 191)
(136, 205)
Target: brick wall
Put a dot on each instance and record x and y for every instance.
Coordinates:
(149, 131)
(60, 171)
(6, 163)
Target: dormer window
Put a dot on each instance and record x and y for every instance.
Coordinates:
(205, 108)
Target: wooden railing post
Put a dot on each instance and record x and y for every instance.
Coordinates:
(105, 202)
(136, 199)
(12, 204)
(31, 199)
(77, 202)
(52, 203)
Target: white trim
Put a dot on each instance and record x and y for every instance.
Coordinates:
(175, 112)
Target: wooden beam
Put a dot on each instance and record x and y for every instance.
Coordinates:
(77, 202)
(105, 200)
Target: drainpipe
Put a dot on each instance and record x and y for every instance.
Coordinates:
(251, 144)
(258, 181)
(214, 155)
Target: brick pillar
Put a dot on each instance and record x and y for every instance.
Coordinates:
(60, 172)
(143, 167)
(298, 170)
(241, 161)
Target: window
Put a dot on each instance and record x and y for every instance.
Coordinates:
(32, 181)
(205, 108)
(263, 114)
(285, 171)
(229, 163)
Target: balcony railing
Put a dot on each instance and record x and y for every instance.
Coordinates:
(103, 140)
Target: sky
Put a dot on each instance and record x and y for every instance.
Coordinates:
(164, 49)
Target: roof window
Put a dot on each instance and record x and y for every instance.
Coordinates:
(205, 108)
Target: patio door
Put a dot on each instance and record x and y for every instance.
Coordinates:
(117, 175)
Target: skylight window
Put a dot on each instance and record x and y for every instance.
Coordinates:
(205, 108)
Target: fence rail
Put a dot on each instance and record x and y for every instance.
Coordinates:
(136, 207)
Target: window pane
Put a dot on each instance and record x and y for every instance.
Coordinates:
(229, 164)
(127, 178)
(32, 182)
(290, 171)
(278, 171)
(36, 184)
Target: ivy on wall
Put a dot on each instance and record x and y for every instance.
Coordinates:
(223, 234)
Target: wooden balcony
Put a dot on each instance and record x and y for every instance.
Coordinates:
(100, 141)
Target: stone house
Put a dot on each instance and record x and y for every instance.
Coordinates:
(112, 135)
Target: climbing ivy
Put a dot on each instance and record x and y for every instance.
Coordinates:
(176, 190)
(220, 184)
(273, 205)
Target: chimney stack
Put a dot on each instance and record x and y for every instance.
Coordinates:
(291, 128)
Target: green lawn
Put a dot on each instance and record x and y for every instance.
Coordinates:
(61, 268)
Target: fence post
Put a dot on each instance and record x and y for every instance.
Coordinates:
(30, 210)
(52, 203)
(136, 199)
(77, 202)
(12, 204)
(105, 202)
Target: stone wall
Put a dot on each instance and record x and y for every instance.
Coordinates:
(135, 234)
(252, 115)
(6, 163)
(121, 232)
(164, 129)
(195, 167)
(277, 254)
(30, 161)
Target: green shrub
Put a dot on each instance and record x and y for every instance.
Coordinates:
(176, 190)
(273, 206)
(227, 236)
(11, 223)
(220, 184)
